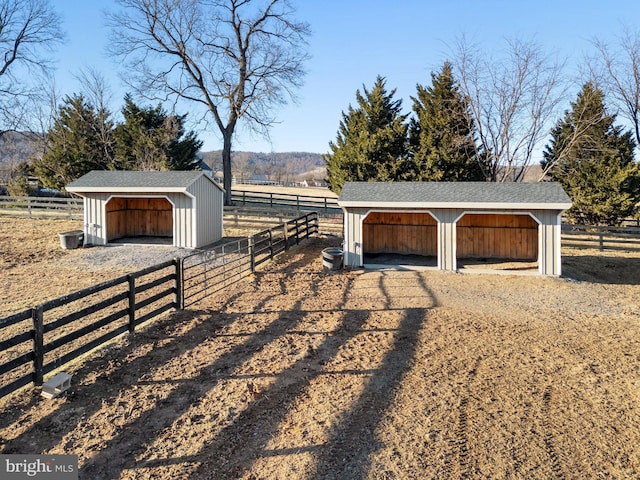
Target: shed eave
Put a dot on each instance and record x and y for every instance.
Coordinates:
(81, 190)
(456, 205)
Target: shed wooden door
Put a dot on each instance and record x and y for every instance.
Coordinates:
(513, 237)
(400, 232)
(139, 217)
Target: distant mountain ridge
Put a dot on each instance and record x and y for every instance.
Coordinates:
(16, 147)
(279, 166)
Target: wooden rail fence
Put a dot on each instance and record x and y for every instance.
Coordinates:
(72, 207)
(42, 206)
(603, 238)
(38, 340)
(60, 330)
(285, 200)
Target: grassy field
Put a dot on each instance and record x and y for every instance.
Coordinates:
(306, 374)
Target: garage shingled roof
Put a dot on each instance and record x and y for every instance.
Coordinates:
(134, 181)
(543, 195)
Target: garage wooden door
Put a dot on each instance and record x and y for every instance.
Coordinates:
(404, 233)
(136, 217)
(513, 237)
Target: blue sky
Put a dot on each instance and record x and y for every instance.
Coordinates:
(353, 41)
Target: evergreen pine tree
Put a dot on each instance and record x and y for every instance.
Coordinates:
(79, 141)
(371, 143)
(441, 137)
(593, 160)
(149, 139)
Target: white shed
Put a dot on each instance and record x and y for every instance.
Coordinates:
(450, 221)
(185, 206)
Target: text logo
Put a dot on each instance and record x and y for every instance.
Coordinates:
(50, 467)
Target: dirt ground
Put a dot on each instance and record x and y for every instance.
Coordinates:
(298, 373)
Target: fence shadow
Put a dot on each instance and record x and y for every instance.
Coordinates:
(236, 448)
(116, 373)
(118, 453)
(613, 270)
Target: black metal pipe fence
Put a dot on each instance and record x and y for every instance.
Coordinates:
(207, 272)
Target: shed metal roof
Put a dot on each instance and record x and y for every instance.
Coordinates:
(543, 195)
(120, 181)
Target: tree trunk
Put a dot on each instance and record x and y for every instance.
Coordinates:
(226, 167)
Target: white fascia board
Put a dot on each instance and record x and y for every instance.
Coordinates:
(461, 205)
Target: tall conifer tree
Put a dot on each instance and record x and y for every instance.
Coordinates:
(593, 159)
(441, 135)
(371, 143)
(80, 141)
(149, 139)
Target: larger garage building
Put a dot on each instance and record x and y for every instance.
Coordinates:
(453, 220)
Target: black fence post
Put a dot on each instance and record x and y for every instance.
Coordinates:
(179, 298)
(38, 345)
(252, 253)
(270, 243)
(132, 302)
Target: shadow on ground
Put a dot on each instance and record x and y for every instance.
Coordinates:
(234, 449)
(618, 270)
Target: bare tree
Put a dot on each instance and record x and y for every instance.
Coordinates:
(617, 72)
(98, 93)
(236, 58)
(512, 100)
(29, 30)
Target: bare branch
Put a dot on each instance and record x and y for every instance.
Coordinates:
(512, 100)
(238, 58)
(617, 72)
(29, 29)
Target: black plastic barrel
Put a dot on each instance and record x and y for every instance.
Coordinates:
(332, 258)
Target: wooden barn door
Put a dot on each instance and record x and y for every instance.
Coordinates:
(139, 217)
(512, 237)
(400, 232)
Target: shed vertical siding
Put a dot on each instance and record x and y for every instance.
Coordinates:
(95, 227)
(447, 237)
(182, 220)
(550, 242)
(353, 254)
(208, 217)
